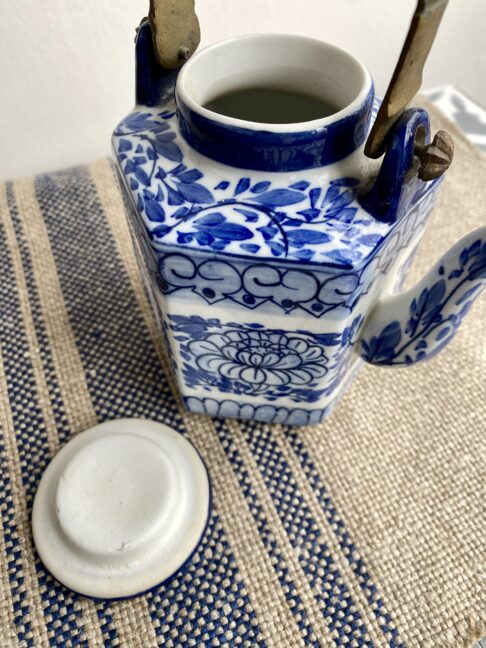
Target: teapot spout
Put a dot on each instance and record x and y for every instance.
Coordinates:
(414, 326)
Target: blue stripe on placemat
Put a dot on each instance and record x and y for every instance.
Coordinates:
(304, 535)
(124, 378)
(270, 543)
(10, 314)
(357, 564)
(54, 597)
(31, 438)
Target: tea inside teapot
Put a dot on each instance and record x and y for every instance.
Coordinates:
(271, 105)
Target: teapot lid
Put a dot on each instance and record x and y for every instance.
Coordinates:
(121, 508)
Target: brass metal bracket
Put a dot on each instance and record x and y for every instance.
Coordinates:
(175, 30)
(406, 82)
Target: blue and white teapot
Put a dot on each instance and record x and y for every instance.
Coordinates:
(273, 252)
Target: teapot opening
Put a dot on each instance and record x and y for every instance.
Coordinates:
(272, 79)
(270, 105)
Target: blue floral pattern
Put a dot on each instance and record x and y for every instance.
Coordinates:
(434, 314)
(313, 290)
(303, 240)
(260, 360)
(249, 360)
(246, 216)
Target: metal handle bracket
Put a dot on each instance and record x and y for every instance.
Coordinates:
(176, 31)
(407, 78)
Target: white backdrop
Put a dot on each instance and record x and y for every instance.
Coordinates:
(66, 66)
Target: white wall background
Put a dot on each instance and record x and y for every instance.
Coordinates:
(66, 66)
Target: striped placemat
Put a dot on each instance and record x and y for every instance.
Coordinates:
(365, 531)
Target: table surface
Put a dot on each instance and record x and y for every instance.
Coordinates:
(468, 115)
(300, 549)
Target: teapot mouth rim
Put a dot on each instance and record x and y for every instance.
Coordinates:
(188, 95)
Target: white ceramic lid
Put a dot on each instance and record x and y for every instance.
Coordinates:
(120, 508)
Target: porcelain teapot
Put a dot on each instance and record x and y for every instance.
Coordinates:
(274, 253)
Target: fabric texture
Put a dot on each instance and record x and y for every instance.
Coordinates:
(367, 530)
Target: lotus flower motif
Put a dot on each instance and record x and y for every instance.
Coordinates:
(261, 360)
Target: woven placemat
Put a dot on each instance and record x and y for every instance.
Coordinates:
(365, 531)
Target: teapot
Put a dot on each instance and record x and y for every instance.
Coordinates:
(274, 252)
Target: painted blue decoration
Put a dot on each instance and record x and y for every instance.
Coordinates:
(268, 363)
(181, 208)
(153, 84)
(266, 413)
(390, 197)
(267, 151)
(273, 259)
(431, 317)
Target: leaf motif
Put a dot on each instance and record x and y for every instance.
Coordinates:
(243, 185)
(345, 182)
(203, 238)
(138, 121)
(130, 167)
(160, 231)
(345, 215)
(464, 256)
(277, 248)
(124, 145)
(342, 200)
(310, 214)
(190, 176)
(195, 193)
(219, 228)
(184, 238)
(443, 334)
(154, 211)
(314, 196)
(169, 150)
(385, 344)
(468, 294)
(251, 217)
(260, 187)
(268, 232)
(215, 218)
(307, 237)
(279, 197)
(142, 176)
(160, 128)
(305, 255)
(300, 186)
(477, 269)
(222, 185)
(455, 274)
(370, 240)
(432, 306)
(181, 212)
(250, 247)
(332, 193)
(174, 197)
(341, 256)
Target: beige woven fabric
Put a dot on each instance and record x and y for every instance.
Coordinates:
(397, 559)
